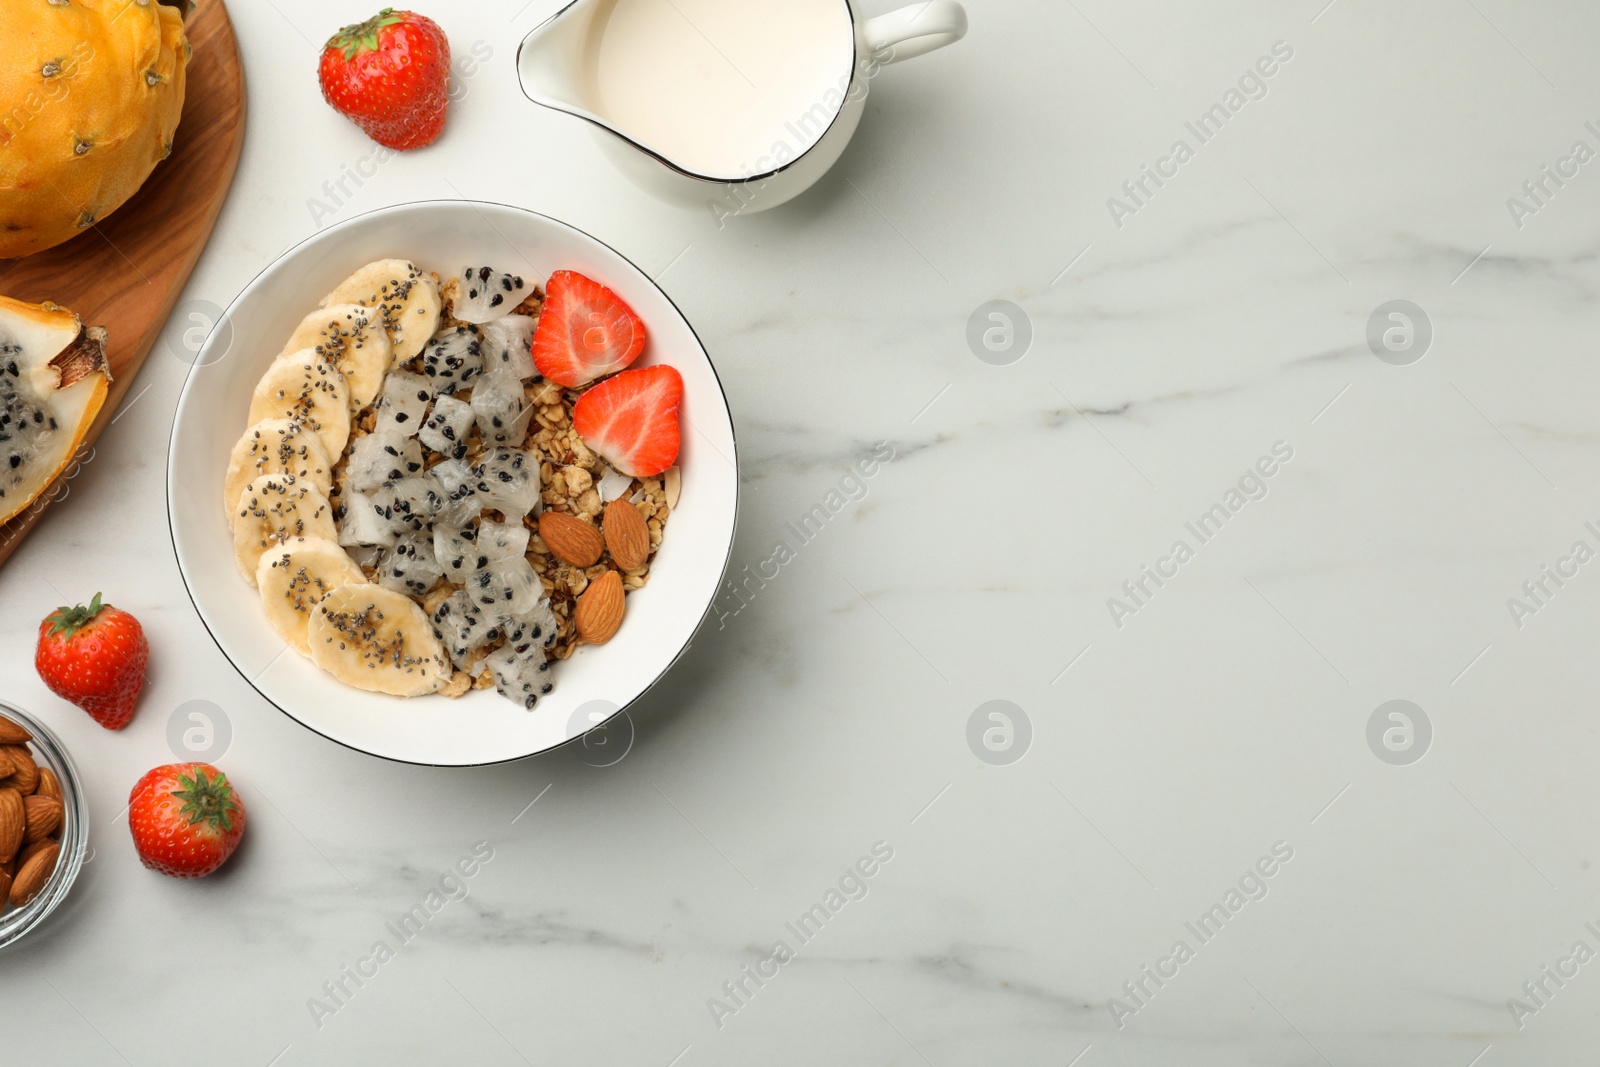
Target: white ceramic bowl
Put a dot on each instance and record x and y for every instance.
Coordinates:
(481, 727)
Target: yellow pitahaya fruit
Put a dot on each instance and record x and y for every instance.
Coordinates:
(90, 96)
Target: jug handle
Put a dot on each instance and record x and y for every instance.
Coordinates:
(915, 30)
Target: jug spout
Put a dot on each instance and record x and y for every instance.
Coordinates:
(553, 64)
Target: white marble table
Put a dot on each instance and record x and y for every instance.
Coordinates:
(1173, 743)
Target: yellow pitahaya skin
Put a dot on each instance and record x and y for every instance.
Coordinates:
(91, 92)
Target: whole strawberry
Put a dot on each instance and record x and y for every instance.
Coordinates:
(95, 657)
(390, 75)
(185, 818)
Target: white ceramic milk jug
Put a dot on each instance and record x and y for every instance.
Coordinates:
(735, 105)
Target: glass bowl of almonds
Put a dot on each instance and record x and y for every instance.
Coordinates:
(44, 823)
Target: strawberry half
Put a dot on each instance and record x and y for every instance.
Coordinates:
(585, 331)
(632, 420)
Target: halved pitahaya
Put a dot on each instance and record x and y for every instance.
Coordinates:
(509, 587)
(382, 456)
(453, 358)
(363, 522)
(508, 345)
(501, 408)
(403, 403)
(456, 549)
(464, 627)
(409, 567)
(486, 294)
(519, 668)
(53, 375)
(446, 427)
(508, 481)
(499, 541)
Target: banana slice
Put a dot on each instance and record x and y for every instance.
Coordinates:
(407, 298)
(351, 338)
(275, 509)
(302, 387)
(295, 577)
(376, 639)
(275, 446)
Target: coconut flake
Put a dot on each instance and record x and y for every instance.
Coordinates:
(614, 485)
(672, 485)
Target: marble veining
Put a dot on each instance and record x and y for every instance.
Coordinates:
(840, 698)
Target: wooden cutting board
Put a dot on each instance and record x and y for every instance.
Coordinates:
(127, 272)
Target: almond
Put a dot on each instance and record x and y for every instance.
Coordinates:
(570, 539)
(600, 609)
(28, 850)
(7, 768)
(5, 886)
(32, 875)
(627, 536)
(49, 785)
(25, 773)
(42, 815)
(13, 823)
(12, 733)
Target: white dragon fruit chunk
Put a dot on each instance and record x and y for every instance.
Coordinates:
(540, 623)
(456, 550)
(362, 521)
(446, 427)
(519, 668)
(508, 346)
(508, 481)
(382, 456)
(509, 587)
(409, 504)
(464, 627)
(486, 294)
(409, 567)
(364, 555)
(459, 480)
(455, 474)
(453, 358)
(403, 403)
(501, 408)
(500, 541)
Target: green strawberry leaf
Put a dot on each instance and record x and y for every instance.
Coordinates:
(69, 621)
(361, 37)
(206, 801)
